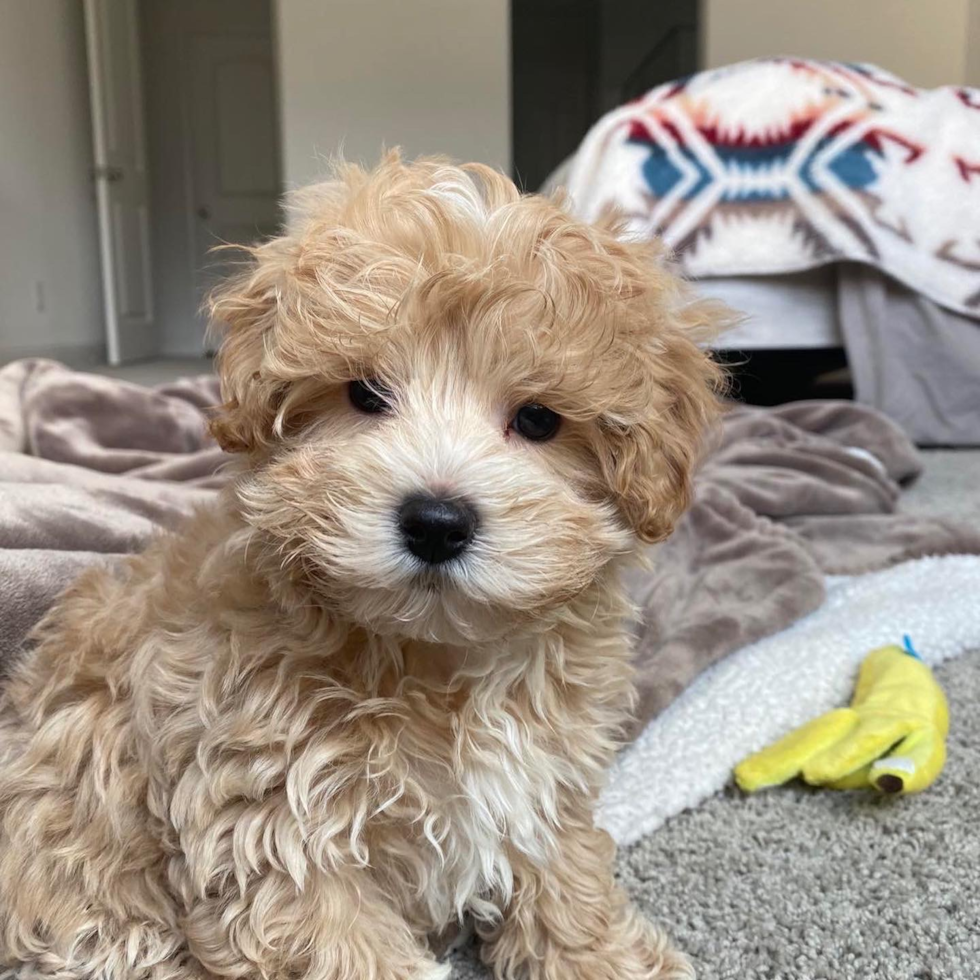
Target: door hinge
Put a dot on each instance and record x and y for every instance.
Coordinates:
(110, 174)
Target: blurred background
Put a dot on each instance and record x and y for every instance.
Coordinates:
(136, 134)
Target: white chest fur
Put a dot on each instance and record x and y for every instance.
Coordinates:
(496, 799)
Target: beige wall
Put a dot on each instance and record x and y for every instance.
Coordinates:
(50, 291)
(429, 75)
(973, 46)
(923, 41)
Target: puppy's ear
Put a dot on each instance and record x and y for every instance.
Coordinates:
(648, 460)
(243, 311)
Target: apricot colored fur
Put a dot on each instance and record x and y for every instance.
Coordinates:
(275, 746)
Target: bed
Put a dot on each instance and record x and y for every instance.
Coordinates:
(833, 204)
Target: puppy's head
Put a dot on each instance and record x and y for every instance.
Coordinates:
(458, 405)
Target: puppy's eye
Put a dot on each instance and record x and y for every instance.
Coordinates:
(536, 422)
(370, 396)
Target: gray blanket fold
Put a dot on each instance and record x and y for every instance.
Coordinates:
(915, 360)
(787, 496)
(90, 468)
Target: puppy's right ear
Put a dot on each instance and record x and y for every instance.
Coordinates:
(243, 311)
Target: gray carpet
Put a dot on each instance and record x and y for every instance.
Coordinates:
(948, 487)
(799, 884)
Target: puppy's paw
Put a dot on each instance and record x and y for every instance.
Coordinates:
(642, 964)
(627, 965)
(643, 952)
(650, 959)
(666, 964)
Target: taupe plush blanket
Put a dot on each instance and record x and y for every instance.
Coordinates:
(91, 467)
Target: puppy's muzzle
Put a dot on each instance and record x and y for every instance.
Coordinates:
(436, 529)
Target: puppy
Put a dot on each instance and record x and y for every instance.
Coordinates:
(376, 686)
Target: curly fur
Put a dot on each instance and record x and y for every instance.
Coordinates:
(273, 745)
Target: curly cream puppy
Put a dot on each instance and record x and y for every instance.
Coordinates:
(377, 685)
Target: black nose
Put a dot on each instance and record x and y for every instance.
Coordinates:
(436, 530)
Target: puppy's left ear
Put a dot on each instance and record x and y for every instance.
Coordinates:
(649, 461)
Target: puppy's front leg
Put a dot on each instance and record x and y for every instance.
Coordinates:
(568, 920)
(336, 927)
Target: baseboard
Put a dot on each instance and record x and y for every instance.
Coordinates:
(73, 355)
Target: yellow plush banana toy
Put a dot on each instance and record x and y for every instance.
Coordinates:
(892, 737)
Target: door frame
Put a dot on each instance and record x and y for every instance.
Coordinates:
(120, 346)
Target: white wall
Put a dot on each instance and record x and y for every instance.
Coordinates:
(50, 291)
(431, 76)
(923, 41)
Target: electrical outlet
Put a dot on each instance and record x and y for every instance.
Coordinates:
(40, 298)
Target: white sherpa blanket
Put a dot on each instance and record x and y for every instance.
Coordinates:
(766, 689)
(782, 164)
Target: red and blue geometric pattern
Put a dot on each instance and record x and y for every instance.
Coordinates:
(782, 164)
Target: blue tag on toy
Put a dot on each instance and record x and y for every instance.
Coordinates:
(909, 649)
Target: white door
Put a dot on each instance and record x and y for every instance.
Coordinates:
(122, 187)
(234, 129)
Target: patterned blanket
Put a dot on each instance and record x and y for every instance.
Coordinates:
(783, 164)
